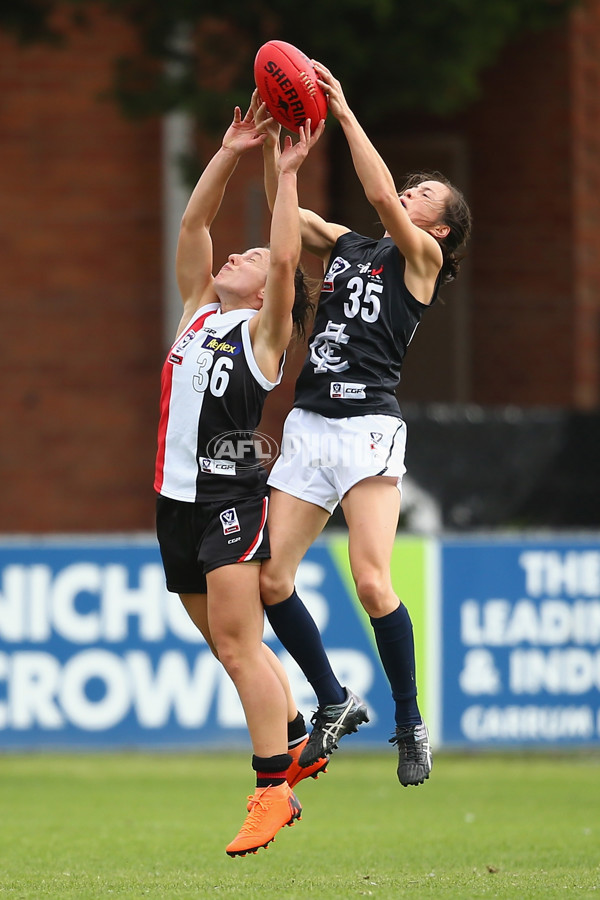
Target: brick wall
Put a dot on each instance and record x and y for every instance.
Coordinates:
(522, 253)
(584, 50)
(81, 292)
(535, 176)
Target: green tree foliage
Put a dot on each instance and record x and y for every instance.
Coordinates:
(391, 55)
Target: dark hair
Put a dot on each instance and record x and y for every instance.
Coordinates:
(307, 290)
(457, 216)
(306, 293)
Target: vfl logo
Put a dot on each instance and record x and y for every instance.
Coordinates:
(336, 389)
(338, 265)
(229, 521)
(324, 349)
(176, 354)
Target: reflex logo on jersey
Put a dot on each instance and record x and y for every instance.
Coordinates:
(347, 390)
(217, 346)
(229, 521)
(216, 466)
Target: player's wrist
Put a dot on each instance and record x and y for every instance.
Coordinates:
(230, 152)
(346, 117)
(288, 174)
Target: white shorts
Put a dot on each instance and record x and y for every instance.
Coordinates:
(321, 459)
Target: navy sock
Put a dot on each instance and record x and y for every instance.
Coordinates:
(298, 632)
(271, 769)
(394, 636)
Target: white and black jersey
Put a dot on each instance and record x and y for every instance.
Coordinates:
(212, 396)
(365, 320)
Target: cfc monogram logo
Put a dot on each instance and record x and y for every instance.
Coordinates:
(325, 349)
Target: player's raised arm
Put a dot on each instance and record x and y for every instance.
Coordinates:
(273, 329)
(194, 258)
(318, 235)
(418, 246)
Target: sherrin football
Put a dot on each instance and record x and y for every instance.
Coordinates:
(287, 83)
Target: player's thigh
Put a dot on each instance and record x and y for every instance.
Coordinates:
(294, 525)
(235, 612)
(371, 509)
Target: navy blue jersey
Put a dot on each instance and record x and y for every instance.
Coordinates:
(365, 320)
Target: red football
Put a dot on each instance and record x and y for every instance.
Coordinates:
(287, 82)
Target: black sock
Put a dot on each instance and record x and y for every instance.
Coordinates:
(296, 731)
(271, 769)
(394, 636)
(298, 632)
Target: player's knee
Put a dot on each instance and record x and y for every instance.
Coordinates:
(375, 594)
(275, 584)
(228, 654)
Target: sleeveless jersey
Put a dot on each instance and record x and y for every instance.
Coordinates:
(212, 396)
(365, 320)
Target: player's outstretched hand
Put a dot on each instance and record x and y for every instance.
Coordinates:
(243, 133)
(294, 154)
(265, 123)
(336, 100)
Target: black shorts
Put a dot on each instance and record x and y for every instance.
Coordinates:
(195, 538)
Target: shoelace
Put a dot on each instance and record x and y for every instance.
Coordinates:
(252, 817)
(332, 729)
(408, 739)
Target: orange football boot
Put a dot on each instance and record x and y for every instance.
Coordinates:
(271, 808)
(296, 772)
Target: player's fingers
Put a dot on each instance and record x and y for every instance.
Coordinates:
(255, 101)
(318, 131)
(320, 66)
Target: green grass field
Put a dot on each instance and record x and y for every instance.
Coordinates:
(141, 825)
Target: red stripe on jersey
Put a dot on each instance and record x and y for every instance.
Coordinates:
(253, 546)
(166, 383)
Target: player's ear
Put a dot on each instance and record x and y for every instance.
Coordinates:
(440, 231)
